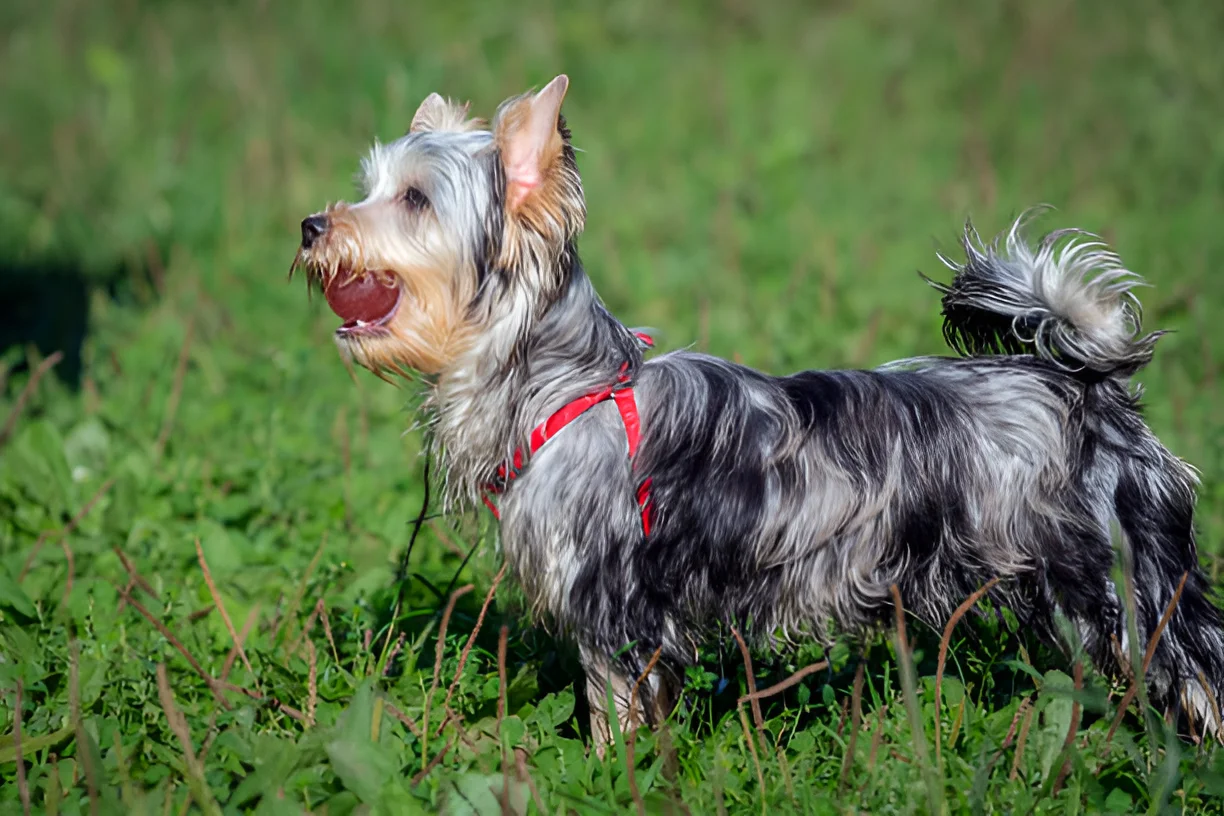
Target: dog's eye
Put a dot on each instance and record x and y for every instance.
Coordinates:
(415, 199)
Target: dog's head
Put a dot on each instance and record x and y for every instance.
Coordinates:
(463, 231)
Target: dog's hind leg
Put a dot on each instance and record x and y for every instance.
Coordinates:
(1076, 576)
(1155, 506)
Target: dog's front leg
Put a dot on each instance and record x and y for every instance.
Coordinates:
(604, 678)
(649, 704)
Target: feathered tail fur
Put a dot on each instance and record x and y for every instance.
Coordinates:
(1070, 300)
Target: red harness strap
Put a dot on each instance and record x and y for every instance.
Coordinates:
(626, 404)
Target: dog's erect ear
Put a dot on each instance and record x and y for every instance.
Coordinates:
(428, 114)
(529, 139)
(437, 113)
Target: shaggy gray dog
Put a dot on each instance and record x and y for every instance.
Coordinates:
(644, 502)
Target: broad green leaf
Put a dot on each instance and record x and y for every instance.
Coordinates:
(223, 556)
(31, 744)
(522, 688)
(1119, 801)
(513, 730)
(396, 800)
(953, 691)
(362, 765)
(13, 597)
(274, 760)
(477, 794)
(273, 805)
(37, 459)
(552, 710)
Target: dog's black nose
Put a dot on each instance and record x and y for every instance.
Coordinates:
(312, 228)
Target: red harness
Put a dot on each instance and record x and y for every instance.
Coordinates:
(622, 394)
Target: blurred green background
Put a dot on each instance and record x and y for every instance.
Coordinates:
(763, 181)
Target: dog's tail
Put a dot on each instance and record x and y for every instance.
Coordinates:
(1069, 300)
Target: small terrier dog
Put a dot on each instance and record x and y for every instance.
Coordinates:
(642, 503)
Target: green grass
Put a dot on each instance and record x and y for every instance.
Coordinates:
(763, 182)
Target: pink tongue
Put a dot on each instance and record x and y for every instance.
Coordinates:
(366, 298)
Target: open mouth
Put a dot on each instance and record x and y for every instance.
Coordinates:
(365, 303)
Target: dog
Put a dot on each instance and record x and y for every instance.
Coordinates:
(644, 503)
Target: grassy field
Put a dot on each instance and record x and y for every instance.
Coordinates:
(763, 181)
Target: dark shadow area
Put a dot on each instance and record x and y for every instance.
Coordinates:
(46, 307)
